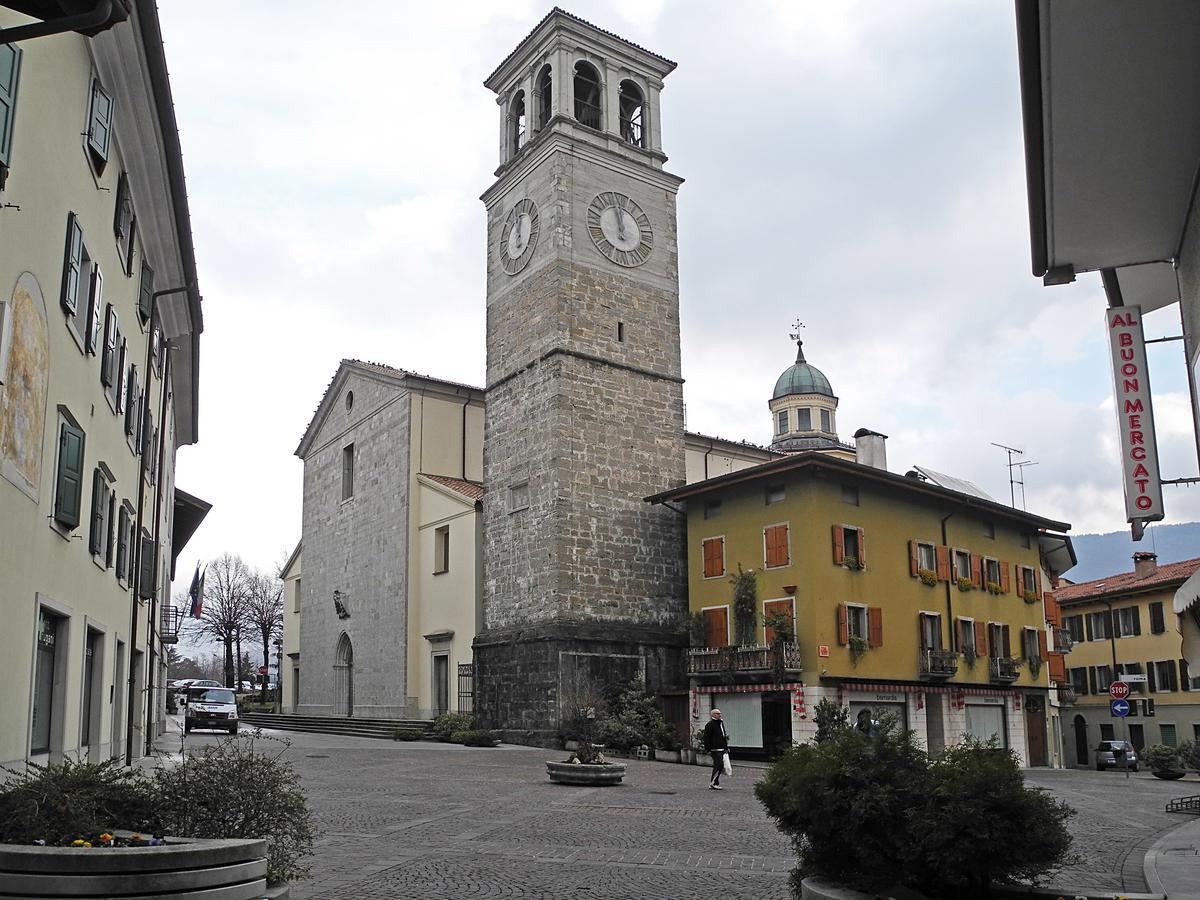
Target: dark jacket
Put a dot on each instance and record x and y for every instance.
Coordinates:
(715, 736)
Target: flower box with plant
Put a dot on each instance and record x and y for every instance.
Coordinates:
(1029, 596)
(964, 584)
(927, 576)
(969, 656)
(858, 646)
(993, 587)
(852, 563)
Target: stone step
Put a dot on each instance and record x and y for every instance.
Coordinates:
(345, 725)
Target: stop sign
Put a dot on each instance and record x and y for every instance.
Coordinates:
(1118, 690)
(262, 670)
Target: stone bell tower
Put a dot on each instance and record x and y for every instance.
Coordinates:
(585, 582)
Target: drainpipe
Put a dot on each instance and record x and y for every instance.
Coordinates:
(160, 449)
(466, 403)
(954, 639)
(711, 446)
(135, 552)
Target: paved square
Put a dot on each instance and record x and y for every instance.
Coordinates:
(428, 820)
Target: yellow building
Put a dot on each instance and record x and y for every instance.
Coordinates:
(904, 597)
(1127, 622)
(99, 352)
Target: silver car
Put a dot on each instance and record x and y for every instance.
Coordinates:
(1113, 753)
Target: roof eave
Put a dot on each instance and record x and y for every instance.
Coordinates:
(1029, 59)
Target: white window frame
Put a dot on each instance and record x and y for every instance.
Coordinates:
(962, 634)
(857, 612)
(932, 548)
(1159, 681)
(1029, 642)
(854, 529)
(924, 614)
(1119, 625)
(988, 562)
(955, 554)
(728, 621)
(441, 549)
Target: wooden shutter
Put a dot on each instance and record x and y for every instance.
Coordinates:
(714, 557)
(943, 562)
(109, 357)
(1185, 682)
(96, 536)
(122, 540)
(108, 532)
(1037, 583)
(72, 265)
(1091, 680)
(1151, 677)
(10, 70)
(981, 639)
(777, 545)
(146, 292)
(131, 396)
(843, 627)
(1172, 677)
(1006, 641)
(1052, 609)
(122, 375)
(839, 545)
(716, 626)
(68, 491)
(99, 122)
(921, 642)
(147, 569)
(1137, 620)
(1042, 648)
(874, 626)
(913, 559)
(95, 298)
(1058, 667)
(976, 570)
(123, 206)
(862, 549)
(1005, 581)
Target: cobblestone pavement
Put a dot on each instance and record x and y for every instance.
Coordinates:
(401, 820)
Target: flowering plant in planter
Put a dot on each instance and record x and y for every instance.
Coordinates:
(993, 587)
(852, 563)
(964, 584)
(1029, 596)
(858, 646)
(927, 576)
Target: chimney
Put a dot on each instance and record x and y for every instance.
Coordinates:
(869, 448)
(1145, 564)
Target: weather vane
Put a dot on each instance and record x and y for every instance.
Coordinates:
(795, 335)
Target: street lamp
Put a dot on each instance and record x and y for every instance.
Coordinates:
(278, 675)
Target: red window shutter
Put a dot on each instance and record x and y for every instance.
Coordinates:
(843, 628)
(839, 545)
(980, 638)
(716, 627)
(781, 532)
(714, 557)
(1058, 667)
(976, 570)
(913, 560)
(943, 563)
(1053, 612)
(1005, 641)
(862, 549)
(1005, 580)
(874, 626)
(921, 642)
(1042, 643)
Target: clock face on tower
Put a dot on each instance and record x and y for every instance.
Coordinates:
(619, 229)
(519, 236)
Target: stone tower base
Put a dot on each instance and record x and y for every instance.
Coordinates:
(530, 679)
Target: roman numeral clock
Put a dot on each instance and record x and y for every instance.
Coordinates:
(619, 229)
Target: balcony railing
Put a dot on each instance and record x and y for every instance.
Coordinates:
(1066, 695)
(938, 663)
(1003, 669)
(715, 660)
(1063, 642)
(168, 630)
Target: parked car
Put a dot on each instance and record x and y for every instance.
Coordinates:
(1113, 753)
(211, 707)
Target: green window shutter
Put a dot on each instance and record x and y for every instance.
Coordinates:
(72, 265)
(99, 507)
(68, 492)
(122, 378)
(123, 209)
(108, 360)
(10, 70)
(95, 298)
(146, 292)
(100, 123)
(122, 541)
(148, 560)
(1151, 677)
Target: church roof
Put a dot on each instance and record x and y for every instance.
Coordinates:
(802, 378)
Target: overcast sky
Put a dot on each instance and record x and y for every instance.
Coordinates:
(856, 165)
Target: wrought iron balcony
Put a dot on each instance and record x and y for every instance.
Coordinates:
(1063, 642)
(719, 660)
(1066, 695)
(168, 630)
(1003, 669)
(938, 663)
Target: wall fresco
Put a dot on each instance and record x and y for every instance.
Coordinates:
(23, 394)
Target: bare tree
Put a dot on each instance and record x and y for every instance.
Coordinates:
(264, 614)
(226, 601)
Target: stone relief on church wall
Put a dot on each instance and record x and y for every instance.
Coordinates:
(23, 393)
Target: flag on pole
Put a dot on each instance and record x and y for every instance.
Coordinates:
(196, 594)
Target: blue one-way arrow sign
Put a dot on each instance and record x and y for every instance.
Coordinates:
(1120, 708)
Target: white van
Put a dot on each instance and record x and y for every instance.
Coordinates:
(211, 707)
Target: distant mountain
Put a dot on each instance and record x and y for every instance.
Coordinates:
(1101, 555)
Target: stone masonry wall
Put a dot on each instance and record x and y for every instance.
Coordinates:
(357, 547)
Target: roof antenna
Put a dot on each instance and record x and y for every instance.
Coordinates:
(1017, 477)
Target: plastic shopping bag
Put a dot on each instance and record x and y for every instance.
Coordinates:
(726, 763)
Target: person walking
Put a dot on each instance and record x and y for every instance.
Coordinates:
(716, 741)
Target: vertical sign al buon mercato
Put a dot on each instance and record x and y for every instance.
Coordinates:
(1135, 415)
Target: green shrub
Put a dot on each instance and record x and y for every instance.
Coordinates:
(627, 717)
(1189, 754)
(832, 719)
(63, 801)
(1165, 759)
(447, 723)
(873, 812)
(239, 788)
(408, 733)
(476, 738)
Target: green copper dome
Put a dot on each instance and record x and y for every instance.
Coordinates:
(802, 378)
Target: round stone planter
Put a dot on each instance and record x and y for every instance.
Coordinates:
(1167, 775)
(182, 868)
(585, 775)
